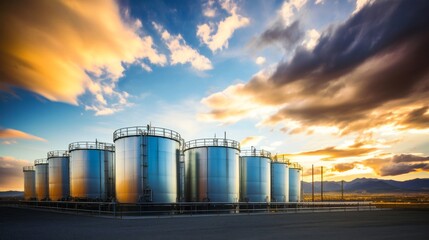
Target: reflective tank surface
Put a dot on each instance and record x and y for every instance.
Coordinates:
(255, 176)
(92, 170)
(212, 170)
(59, 175)
(29, 183)
(42, 179)
(294, 183)
(181, 180)
(147, 164)
(279, 181)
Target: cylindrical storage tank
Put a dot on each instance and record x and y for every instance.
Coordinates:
(212, 170)
(279, 180)
(42, 179)
(59, 175)
(255, 176)
(29, 183)
(294, 182)
(92, 170)
(146, 164)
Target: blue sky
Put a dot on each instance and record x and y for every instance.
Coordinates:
(250, 68)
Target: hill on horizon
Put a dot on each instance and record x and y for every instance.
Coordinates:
(371, 185)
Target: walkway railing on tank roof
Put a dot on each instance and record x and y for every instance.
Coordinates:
(41, 161)
(210, 142)
(91, 145)
(281, 158)
(295, 165)
(148, 130)
(58, 153)
(28, 168)
(255, 153)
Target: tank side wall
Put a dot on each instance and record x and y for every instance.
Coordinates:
(223, 174)
(59, 178)
(42, 182)
(196, 175)
(255, 179)
(294, 185)
(279, 182)
(87, 173)
(128, 169)
(29, 185)
(163, 160)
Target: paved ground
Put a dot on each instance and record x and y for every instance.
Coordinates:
(33, 224)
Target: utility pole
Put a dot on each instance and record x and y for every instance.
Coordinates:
(321, 183)
(312, 182)
(342, 190)
(302, 185)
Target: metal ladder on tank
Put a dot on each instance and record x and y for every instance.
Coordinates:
(147, 191)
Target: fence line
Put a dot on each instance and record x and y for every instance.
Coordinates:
(120, 210)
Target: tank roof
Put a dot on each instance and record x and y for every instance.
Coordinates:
(212, 142)
(146, 131)
(41, 161)
(28, 168)
(295, 165)
(58, 153)
(83, 145)
(281, 158)
(255, 153)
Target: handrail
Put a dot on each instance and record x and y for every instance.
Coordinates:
(255, 153)
(91, 145)
(281, 158)
(58, 153)
(212, 142)
(146, 130)
(28, 168)
(41, 161)
(295, 165)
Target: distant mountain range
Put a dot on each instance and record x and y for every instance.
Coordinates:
(359, 185)
(11, 194)
(371, 185)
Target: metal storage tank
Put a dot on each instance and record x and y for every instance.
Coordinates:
(92, 170)
(212, 170)
(59, 175)
(255, 176)
(280, 180)
(29, 183)
(295, 182)
(42, 179)
(146, 164)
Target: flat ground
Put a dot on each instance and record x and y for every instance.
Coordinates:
(18, 223)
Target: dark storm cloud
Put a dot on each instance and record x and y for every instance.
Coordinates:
(402, 168)
(417, 118)
(380, 27)
(398, 164)
(396, 29)
(372, 70)
(286, 36)
(403, 158)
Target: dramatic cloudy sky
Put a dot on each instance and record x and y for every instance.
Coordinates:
(342, 84)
